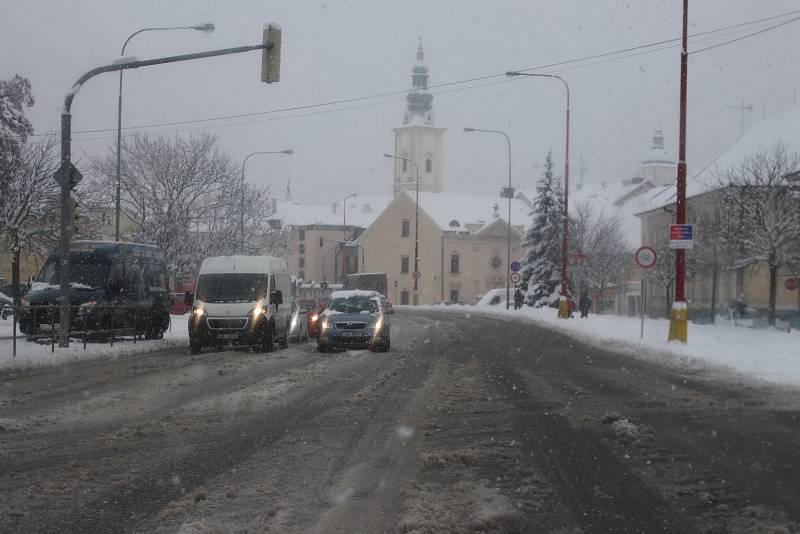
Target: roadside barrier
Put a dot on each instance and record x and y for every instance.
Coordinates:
(101, 323)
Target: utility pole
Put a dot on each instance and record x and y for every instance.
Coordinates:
(679, 315)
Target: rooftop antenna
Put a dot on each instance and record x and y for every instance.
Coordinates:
(741, 108)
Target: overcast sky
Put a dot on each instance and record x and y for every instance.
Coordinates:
(338, 49)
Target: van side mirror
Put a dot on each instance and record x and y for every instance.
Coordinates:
(188, 298)
(276, 297)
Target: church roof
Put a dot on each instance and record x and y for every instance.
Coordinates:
(470, 213)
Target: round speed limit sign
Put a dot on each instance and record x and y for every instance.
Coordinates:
(515, 278)
(646, 257)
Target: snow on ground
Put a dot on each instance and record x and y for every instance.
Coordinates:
(766, 354)
(31, 354)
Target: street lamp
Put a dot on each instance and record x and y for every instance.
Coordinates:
(508, 192)
(416, 274)
(206, 28)
(344, 233)
(563, 309)
(241, 215)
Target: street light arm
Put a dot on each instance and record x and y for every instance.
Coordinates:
(205, 27)
(150, 62)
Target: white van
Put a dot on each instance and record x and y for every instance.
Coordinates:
(241, 300)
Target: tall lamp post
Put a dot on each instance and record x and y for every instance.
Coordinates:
(508, 192)
(241, 215)
(344, 234)
(563, 310)
(207, 28)
(416, 274)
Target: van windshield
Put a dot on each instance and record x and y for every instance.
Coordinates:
(231, 287)
(87, 271)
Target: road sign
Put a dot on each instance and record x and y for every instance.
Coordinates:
(681, 236)
(416, 274)
(646, 257)
(515, 266)
(791, 284)
(515, 278)
(75, 176)
(507, 192)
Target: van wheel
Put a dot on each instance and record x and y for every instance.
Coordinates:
(194, 347)
(284, 341)
(267, 346)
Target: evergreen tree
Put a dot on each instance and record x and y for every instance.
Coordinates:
(541, 269)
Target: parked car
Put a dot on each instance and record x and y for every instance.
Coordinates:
(6, 306)
(354, 319)
(493, 297)
(113, 286)
(239, 300)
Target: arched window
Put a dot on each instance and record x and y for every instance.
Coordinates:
(429, 165)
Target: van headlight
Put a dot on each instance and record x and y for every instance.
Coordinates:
(198, 312)
(258, 311)
(324, 325)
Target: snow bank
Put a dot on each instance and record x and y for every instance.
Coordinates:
(765, 354)
(30, 354)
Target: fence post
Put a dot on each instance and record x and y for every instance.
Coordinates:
(52, 330)
(14, 333)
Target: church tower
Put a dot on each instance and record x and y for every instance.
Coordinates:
(657, 166)
(418, 139)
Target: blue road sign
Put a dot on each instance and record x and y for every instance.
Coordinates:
(515, 266)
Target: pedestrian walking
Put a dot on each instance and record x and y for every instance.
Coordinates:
(518, 299)
(585, 304)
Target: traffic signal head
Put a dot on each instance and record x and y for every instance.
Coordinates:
(271, 55)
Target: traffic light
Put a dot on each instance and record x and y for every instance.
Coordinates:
(271, 55)
(320, 241)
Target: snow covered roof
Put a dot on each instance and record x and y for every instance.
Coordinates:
(243, 264)
(763, 136)
(470, 213)
(361, 212)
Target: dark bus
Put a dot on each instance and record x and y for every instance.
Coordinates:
(367, 281)
(113, 286)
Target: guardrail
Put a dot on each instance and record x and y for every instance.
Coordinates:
(108, 323)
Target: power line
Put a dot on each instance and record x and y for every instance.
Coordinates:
(742, 38)
(608, 56)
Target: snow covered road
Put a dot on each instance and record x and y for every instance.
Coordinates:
(468, 424)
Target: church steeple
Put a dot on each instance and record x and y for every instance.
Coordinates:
(419, 100)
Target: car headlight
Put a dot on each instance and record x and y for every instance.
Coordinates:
(294, 321)
(378, 324)
(324, 325)
(314, 317)
(198, 312)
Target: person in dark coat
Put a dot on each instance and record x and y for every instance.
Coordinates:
(518, 299)
(585, 304)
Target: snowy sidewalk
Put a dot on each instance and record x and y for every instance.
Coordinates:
(766, 354)
(30, 354)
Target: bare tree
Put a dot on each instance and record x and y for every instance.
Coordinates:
(761, 201)
(662, 274)
(606, 255)
(29, 205)
(712, 253)
(184, 196)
